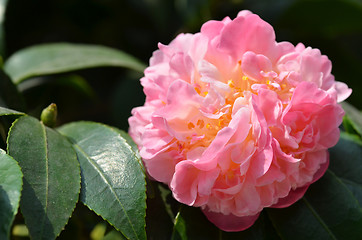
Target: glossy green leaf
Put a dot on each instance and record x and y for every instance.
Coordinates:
(327, 211)
(51, 176)
(346, 163)
(129, 140)
(10, 189)
(9, 94)
(354, 117)
(113, 183)
(54, 58)
(133, 145)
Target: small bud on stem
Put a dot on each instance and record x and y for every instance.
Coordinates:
(49, 115)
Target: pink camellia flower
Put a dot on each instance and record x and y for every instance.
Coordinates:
(235, 122)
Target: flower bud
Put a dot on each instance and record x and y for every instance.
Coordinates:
(49, 115)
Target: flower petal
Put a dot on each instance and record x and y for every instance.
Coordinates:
(244, 33)
(230, 223)
(298, 193)
(253, 65)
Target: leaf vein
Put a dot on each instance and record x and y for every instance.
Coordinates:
(108, 183)
(320, 220)
(46, 180)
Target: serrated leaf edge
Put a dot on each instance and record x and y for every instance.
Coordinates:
(135, 155)
(78, 165)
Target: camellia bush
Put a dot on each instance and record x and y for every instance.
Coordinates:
(240, 136)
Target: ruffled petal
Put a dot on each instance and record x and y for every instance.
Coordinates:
(298, 193)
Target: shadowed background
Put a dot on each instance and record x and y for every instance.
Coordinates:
(335, 27)
(107, 95)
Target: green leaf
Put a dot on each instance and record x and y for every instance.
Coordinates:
(133, 145)
(327, 211)
(9, 94)
(346, 163)
(49, 115)
(129, 140)
(72, 81)
(179, 228)
(7, 117)
(51, 176)
(9, 112)
(55, 58)
(113, 183)
(354, 117)
(10, 189)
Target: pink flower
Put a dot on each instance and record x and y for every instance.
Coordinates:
(234, 121)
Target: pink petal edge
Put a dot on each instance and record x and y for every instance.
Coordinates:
(295, 195)
(230, 223)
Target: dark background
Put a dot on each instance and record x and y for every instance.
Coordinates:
(335, 27)
(136, 26)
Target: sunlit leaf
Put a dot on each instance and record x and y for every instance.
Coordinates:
(113, 183)
(55, 58)
(51, 176)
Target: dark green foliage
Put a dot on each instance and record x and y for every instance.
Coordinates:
(51, 176)
(88, 181)
(113, 183)
(64, 57)
(10, 188)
